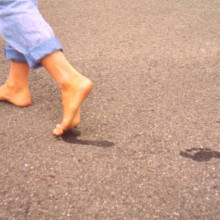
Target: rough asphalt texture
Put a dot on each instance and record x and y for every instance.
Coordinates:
(148, 146)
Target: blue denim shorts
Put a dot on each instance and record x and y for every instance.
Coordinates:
(29, 36)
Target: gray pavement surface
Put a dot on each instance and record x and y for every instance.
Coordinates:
(148, 146)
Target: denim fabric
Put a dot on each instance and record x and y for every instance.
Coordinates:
(28, 35)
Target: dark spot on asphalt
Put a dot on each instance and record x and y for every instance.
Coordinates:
(200, 154)
(47, 176)
(71, 137)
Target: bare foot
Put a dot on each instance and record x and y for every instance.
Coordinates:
(18, 96)
(74, 92)
(74, 89)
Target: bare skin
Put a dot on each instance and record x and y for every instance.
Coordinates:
(74, 88)
(16, 90)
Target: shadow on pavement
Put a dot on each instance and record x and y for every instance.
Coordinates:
(71, 137)
(200, 154)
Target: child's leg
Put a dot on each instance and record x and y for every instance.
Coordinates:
(26, 31)
(74, 89)
(16, 90)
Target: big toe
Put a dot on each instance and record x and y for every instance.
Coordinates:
(58, 131)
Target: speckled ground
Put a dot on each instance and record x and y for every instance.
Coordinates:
(148, 146)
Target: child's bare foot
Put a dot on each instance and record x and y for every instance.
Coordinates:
(18, 96)
(73, 94)
(74, 89)
(16, 90)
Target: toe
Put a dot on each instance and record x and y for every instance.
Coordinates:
(58, 130)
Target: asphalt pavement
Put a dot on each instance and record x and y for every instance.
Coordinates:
(148, 146)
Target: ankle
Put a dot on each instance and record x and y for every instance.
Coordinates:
(69, 78)
(64, 82)
(10, 85)
(15, 86)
